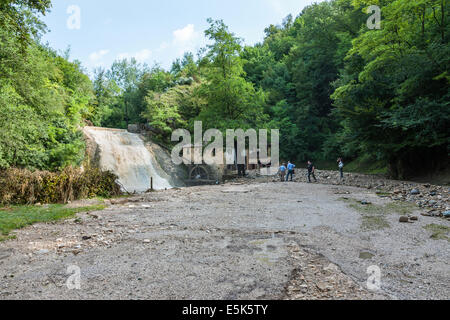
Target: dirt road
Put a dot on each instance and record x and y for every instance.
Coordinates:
(251, 241)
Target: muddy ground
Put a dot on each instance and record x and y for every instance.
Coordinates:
(236, 241)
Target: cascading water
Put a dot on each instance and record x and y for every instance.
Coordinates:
(125, 154)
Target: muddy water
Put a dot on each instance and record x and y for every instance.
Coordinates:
(125, 154)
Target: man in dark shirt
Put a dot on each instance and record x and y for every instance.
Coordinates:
(311, 172)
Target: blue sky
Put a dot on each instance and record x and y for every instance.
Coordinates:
(101, 31)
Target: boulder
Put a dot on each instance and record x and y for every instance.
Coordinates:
(133, 128)
(404, 219)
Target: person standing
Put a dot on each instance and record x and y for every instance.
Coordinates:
(311, 171)
(290, 171)
(341, 168)
(283, 172)
(241, 170)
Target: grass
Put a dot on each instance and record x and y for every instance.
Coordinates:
(374, 216)
(18, 217)
(439, 232)
(402, 208)
(366, 165)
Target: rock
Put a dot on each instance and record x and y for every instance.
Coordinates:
(133, 128)
(147, 241)
(119, 201)
(365, 203)
(404, 219)
(86, 238)
(414, 218)
(415, 192)
(322, 286)
(446, 214)
(42, 251)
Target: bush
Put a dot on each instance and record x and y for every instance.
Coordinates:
(21, 186)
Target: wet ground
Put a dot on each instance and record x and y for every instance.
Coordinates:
(236, 241)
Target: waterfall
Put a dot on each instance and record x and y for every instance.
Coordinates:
(125, 154)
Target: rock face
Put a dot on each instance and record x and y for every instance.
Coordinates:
(176, 174)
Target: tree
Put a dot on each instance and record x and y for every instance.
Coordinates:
(231, 101)
(394, 93)
(19, 18)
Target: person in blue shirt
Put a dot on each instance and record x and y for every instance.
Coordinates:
(283, 172)
(290, 170)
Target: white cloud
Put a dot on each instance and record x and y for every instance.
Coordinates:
(185, 36)
(140, 56)
(96, 58)
(186, 39)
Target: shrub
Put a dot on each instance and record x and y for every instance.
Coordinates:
(22, 186)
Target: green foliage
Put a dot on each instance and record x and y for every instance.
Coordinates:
(19, 18)
(43, 100)
(230, 100)
(394, 92)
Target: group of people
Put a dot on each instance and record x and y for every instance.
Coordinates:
(288, 171)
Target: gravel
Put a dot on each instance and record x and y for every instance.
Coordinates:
(249, 240)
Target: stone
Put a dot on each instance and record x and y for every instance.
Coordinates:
(119, 201)
(415, 192)
(446, 214)
(133, 128)
(404, 219)
(414, 218)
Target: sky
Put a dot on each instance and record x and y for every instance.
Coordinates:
(99, 32)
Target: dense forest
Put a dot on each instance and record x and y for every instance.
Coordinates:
(334, 87)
